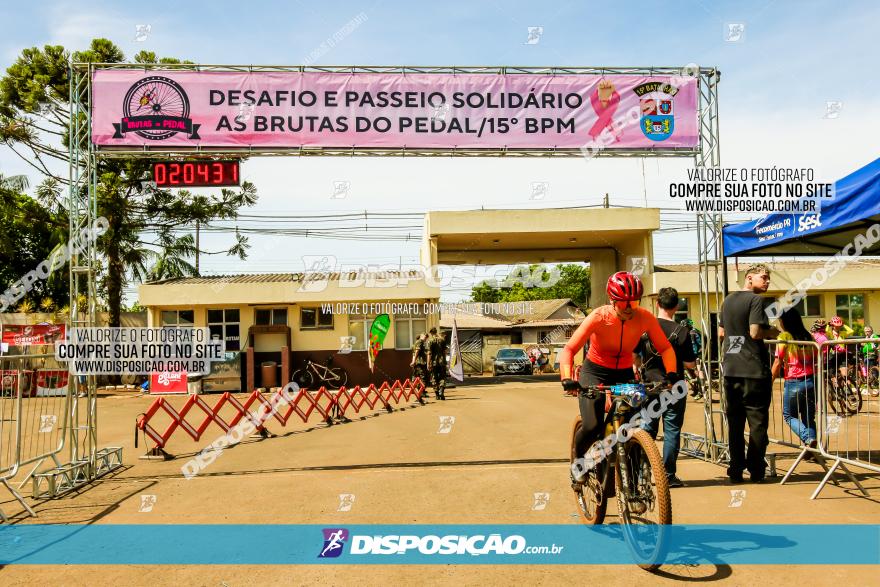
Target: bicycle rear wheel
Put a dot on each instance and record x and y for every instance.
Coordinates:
(303, 378)
(851, 397)
(646, 512)
(590, 496)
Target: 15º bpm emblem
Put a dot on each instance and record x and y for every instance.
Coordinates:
(156, 108)
(656, 103)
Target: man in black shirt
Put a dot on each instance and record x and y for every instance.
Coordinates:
(673, 417)
(743, 326)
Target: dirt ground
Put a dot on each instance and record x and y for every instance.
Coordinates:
(508, 441)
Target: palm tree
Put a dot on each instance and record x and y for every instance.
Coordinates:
(14, 183)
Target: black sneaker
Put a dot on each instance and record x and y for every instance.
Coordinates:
(756, 480)
(735, 478)
(674, 481)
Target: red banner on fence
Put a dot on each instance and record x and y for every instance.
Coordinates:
(36, 334)
(52, 382)
(168, 382)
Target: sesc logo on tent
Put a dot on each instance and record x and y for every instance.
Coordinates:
(809, 222)
(473, 545)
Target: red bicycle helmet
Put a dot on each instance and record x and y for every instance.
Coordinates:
(623, 286)
(836, 322)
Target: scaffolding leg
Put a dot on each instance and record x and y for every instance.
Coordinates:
(20, 500)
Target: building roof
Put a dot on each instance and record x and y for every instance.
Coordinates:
(532, 313)
(538, 310)
(864, 263)
(553, 323)
(286, 277)
(472, 321)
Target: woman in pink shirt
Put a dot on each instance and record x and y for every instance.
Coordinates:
(799, 363)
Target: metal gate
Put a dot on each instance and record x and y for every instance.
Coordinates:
(472, 354)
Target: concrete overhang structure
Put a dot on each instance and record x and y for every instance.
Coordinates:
(610, 239)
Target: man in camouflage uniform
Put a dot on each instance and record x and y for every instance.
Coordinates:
(419, 361)
(437, 362)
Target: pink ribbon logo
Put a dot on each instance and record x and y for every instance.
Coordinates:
(605, 113)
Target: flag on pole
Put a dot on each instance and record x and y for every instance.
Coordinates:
(378, 331)
(456, 369)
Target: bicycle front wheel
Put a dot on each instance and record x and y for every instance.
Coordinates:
(590, 496)
(336, 377)
(644, 500)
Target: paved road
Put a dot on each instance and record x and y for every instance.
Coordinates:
(508, 442)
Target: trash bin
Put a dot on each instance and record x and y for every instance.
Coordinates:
(194, 385)
(270, 372)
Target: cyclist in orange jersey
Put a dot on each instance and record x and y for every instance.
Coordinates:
(613, 331)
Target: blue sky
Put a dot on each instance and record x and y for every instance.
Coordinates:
(793, 58)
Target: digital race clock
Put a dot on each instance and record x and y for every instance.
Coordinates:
(195, 173)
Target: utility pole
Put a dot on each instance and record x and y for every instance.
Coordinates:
(605, 201)
(197, 247)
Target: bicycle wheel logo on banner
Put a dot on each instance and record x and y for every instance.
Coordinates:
(156, 108)
(656, 105)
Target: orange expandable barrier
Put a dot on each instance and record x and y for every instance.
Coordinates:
(329, 404)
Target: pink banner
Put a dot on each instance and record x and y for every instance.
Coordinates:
(415, 111)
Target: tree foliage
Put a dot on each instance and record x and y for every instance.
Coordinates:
(537, 282)
(30, 233)
(149, 228)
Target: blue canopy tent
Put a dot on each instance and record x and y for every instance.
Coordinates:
(855, 207)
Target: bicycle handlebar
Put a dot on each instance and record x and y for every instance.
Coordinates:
(624, 389)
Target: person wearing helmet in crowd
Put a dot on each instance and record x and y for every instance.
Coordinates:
(837, 330)
(613, 331)
(868, 353)
(743, 326)
(818, 331)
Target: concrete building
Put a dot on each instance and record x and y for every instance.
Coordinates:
(288, 317)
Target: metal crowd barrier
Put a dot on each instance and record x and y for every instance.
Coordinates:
(34, 417)
(849, 408)
(799, 408)
(843, 414)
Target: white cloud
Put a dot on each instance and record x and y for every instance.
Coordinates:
(74, 28)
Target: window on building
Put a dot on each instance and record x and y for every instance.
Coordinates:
(266, 316)
(407, 327)
(810, 306)
(315, 319)
(516, 337)
(181, 318)
(682, 312)
(225, 324)
(851, 307)
(359, 328)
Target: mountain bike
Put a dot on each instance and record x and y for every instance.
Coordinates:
(314, 373)
(844, 392)
(868, 373)
(638, 480)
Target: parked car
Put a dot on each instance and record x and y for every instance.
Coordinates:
(512, 361)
